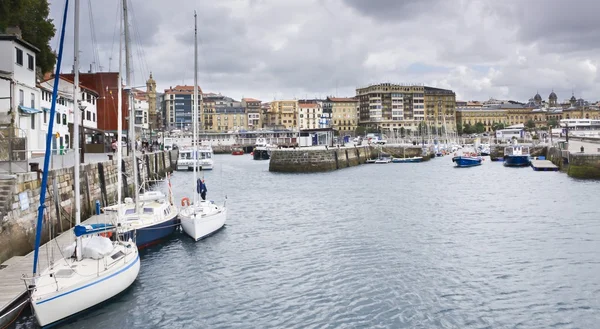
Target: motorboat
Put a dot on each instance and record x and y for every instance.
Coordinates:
(203, 160)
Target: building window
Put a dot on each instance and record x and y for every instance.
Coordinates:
(21, 97)
(64, 120)
(33, 122)
(94, 117)
(19, 56)
(32, 100)
(88, 115)
(45, 116)
(30, 64)
(57, 118)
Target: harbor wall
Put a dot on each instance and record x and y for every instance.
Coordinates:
(585, 166)
(318, 160)
(20, 197)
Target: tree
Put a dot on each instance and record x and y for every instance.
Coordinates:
(31, 16)
(530, 124)
(459, 127)
(479, 127)
(468, 129)
(552, 123)
(402, 132)
(360, 131)
(498, 126)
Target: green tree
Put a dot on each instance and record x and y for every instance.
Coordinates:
(402, 132)
(468, 129)
(530, 124)
(498, 126)
(31, 16)
(360, 131)
(479, 127)
(552, 123)
(459, 127)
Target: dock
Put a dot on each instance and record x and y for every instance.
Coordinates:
(13, 291)
(543, 165)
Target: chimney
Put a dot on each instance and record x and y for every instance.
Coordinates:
(90, 71)
(14, 30)
(72, 69)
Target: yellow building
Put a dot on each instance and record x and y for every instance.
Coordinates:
(226, 119)
(488, 116)
(309, 115)
(389, 107)
(283, 114)
(344, 114)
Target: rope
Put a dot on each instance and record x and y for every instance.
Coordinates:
(16, 317)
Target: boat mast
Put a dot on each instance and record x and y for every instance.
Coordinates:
(38, 228)
(120, 121)
(76, 122)
(128, 82)
(195, 109)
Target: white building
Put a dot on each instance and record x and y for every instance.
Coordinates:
(63, 120)
(309, 115)
(19, 97)
(140, 107)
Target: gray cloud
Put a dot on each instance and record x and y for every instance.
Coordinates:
(298, 48)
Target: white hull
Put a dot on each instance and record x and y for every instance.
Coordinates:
(92, 282)
(202, 221)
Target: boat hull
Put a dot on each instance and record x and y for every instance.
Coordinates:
(153, 234)
(464, 162)
(517, 160)
(407, 160)
(261, 155)
(64, 303)
(199, 227)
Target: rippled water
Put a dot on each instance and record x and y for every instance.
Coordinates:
(375, 246)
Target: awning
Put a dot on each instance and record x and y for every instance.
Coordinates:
(45, 109)
(29, 110)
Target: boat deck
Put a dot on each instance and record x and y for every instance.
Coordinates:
(543, 165)
(12, 287)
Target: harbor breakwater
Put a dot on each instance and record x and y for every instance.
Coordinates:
(576, 165)
(20, 197)
(301, 160)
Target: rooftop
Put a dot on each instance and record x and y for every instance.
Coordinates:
(17, 39)
(342, 99)
(250, 100)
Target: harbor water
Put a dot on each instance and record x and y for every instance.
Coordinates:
(421, 245)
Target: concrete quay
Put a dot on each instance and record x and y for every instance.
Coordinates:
(577, 164)
(321, 159)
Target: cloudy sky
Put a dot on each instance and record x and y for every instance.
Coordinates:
(271, 49)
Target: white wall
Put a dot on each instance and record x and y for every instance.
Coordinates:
(7, 56)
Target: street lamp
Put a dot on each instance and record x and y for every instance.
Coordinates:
(82, 131)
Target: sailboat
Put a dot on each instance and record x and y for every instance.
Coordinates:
(95, 268)
(151, 217)
(200, 218)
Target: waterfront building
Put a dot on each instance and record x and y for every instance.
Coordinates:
(282, 114)
(65, 107)
(222, 113)
(344, 116)
(141, 107)
(309, 115)
(487, 116)
(393, 107)
(20, 109)
(106, 84)
(253, 110)
(160, 111)
(178, 103)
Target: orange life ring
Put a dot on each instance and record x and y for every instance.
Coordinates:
(185, 202)
(106, 234)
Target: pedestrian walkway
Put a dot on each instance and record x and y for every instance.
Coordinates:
(588, 147)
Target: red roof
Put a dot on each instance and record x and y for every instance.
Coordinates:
(182, 89)
(51, 77)
(308, 105)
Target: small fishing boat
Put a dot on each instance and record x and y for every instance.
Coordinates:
(237, 151)
(407, 160)
(262, 150)
(464, 161)
(370, 160)
(383, 158)
(203, 159)
(517, 156)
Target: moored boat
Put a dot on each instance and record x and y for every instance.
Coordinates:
(237, 151)
(407, 160)
(517, 156)
(463, 161)
(202, 161)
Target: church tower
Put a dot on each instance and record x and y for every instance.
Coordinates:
(553, 99)
(151, 94)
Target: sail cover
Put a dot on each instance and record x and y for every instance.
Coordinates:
(92, 228)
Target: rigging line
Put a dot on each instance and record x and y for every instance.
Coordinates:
(140, 49)
(95, 50)
(117, 20)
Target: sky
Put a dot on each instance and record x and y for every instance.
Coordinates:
(274, 49)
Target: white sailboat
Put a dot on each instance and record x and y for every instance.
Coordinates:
(200, 218)
(150, 217)
(96, 268)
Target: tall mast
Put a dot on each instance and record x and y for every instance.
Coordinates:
(76, 122)
(120, 121)
(130, 106)
(195, 102)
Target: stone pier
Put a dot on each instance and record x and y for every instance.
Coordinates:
(20, 197)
